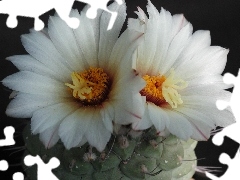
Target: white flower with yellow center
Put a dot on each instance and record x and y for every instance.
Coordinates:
(75, 83)
(183, 76)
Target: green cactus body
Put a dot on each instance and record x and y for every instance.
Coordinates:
(126, 157)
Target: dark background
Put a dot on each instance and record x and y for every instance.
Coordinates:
(221, 17)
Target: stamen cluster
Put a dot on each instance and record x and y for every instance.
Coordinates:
(91, 87)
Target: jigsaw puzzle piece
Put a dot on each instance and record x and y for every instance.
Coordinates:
(36, 8)
(44, 170)
(233, 167)
(232, 131)
(234, 102)
(18, 176)
(8, 132)
(101, 4)
(3, 165)
(63, 8)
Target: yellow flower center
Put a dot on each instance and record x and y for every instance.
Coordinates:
(161, 90)
(91, 87)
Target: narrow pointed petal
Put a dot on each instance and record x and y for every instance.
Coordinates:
(41, 48)
(97, 135)
(108, 38)
(28, 63)
(49, 137)
(179, 125)
(50, 116)
(29, 82)
(86, 39)
(74, 126)
(107, 115)
(158, 116)
(24, 105)
(143, 123)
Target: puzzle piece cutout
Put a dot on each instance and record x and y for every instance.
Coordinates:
(233, 167)
(4, 167)
(44, 170)
(8, 132)
(232, 131)
(36, 8)
(102, 4)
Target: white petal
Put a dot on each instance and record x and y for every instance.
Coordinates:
(158, 116)
(146, 51)
(196, 116)
(178, 23)
(132, 81)
(41, 48)
(23, 105)
(210, 90)
(49, 137)
(109, 38)
(217, 64)
(164, 38)
(28, 63)
(64, 40)
(85, 38)
(175, 48)
(95, 23)
(50, 116)
(97, 134)
(83, 141)
(120, 62)
(124, 115)
(197, 42)
(201, 132)
(128, 103)
(179, 125)
(211, 60)
(136, 25)
(107, 114)
(73, 127)
(128, 108)
(207, 105)
(143, 123)
(221, 118)
(224, 118)
(46, 121)
(139, 24)
(150, 37)
(204, 81)
(29, 82)
(127, 40)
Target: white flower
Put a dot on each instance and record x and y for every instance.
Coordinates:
(183, 75)
(75, 83)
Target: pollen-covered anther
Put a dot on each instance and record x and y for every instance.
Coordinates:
(91, 87)
(161, 90)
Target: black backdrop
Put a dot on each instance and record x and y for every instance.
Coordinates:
(221, 17)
